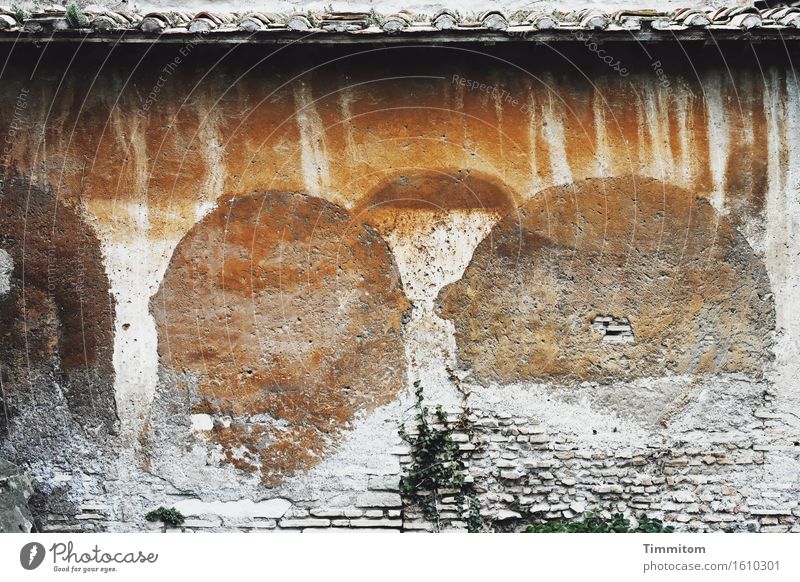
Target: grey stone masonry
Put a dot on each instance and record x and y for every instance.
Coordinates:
(524, 472)
(527, 469)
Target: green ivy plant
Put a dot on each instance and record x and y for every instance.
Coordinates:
(594, 522)
(437, 465)
(169, 516)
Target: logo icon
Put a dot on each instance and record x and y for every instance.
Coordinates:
(31, 555)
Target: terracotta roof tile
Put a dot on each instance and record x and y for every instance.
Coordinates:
(445, 23)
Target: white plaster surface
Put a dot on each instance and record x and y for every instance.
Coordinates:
(781, 245)
(430, 256)
(435, 253)
(718, 137)
(6, 269)
(271, 508)
(135, 267)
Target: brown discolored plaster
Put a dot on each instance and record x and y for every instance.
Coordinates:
(405, 206)
(56, 318)
(57, 405)
(697, 297)
(746, 174)
(228, 131)
(283, 314)
(441, 190)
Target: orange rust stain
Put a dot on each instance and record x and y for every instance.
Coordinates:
(410, 204)
(164, 158)
(694, 291)
(746, 172)
(444, 190)
(698, 128)
(580, 137)
(282, 305)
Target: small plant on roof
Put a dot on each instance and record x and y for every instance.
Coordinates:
(374, 19)
(20, 13)
(75, 17)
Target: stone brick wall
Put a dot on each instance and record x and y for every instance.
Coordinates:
(527, 473)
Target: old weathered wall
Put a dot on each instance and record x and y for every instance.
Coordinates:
(223, 268)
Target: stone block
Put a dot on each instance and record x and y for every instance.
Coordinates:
(200, 523)
(304, 523)
(511, 475)
(379, 499)
(376, 523)
(263, 524)
(506, 514)
(384, 482)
